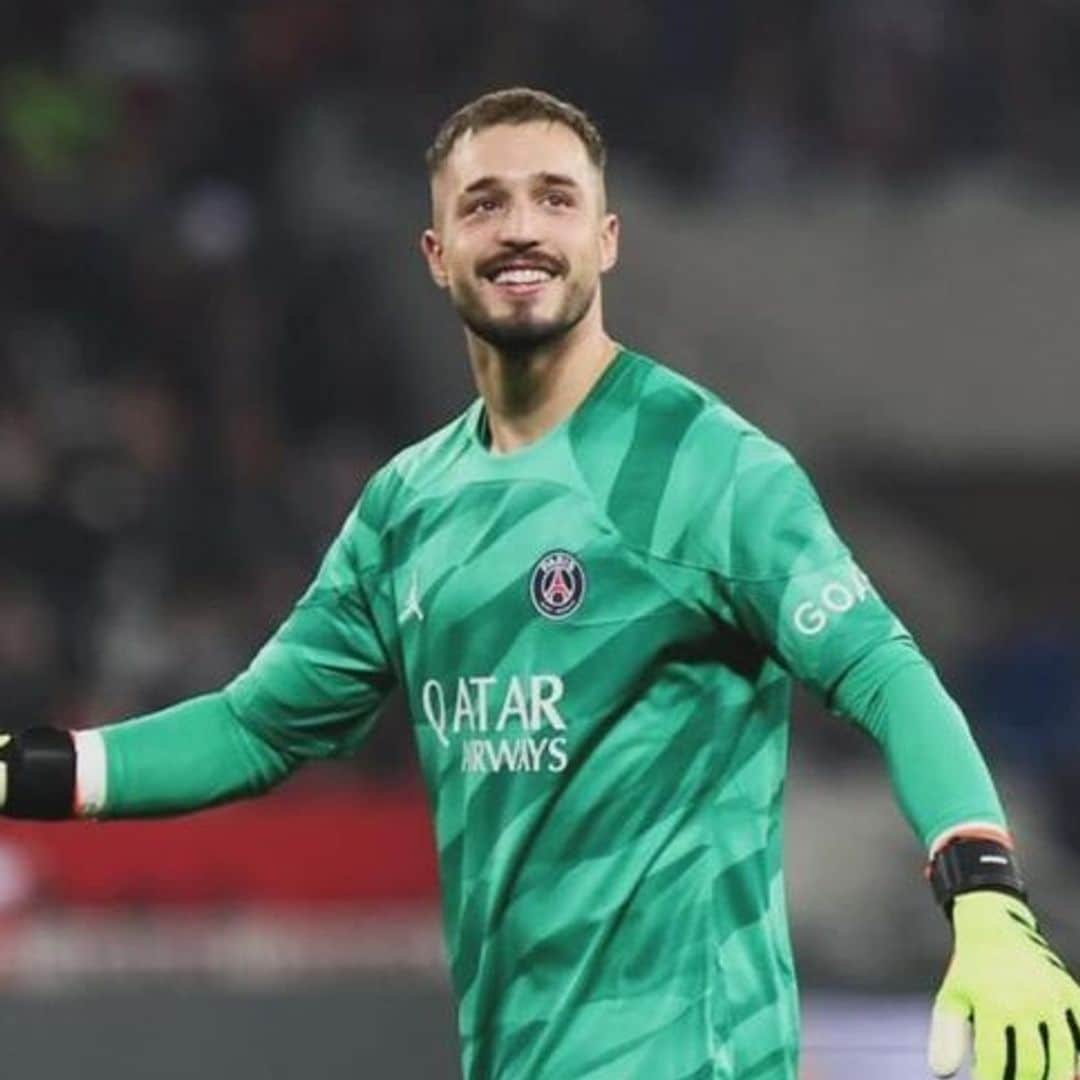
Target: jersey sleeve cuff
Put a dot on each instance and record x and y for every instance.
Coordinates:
(982, 830)
(90, 773)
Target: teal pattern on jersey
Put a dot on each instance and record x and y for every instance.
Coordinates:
(606, 785)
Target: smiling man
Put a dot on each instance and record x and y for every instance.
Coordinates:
(595, 587)
(520, 237)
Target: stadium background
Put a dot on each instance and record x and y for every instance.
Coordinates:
(855, 219)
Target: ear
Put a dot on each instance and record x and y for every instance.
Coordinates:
(609, 242)
(432, 248)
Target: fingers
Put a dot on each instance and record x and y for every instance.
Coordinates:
(1072, 1018)
(1024, 1051)
(1062, 1052)
(995, 1049)
(1029, 1051)
(949, 1039)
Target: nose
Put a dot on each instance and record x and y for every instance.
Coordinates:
(517, 227)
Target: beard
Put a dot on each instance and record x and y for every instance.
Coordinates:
(521, 333)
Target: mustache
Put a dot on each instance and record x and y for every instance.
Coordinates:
(533, 259)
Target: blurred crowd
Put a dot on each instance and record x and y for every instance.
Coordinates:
(199, 363)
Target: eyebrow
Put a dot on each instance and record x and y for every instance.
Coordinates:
(549, 178)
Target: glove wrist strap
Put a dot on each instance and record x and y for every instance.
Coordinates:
(39, 764)
(969, 863)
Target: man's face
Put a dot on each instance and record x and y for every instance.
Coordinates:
(520, 234)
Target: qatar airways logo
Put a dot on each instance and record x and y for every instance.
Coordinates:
(499, 725)
(834, 599)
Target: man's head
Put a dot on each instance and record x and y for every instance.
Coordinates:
(520, 231)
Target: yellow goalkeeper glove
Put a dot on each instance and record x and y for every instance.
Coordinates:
(1007, 992)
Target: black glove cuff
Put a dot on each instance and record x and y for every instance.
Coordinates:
(969, 863)
(40, 774)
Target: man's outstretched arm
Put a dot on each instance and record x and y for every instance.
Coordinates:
(1005, 991)
(192, 755)
(793, 585)
(313, 691)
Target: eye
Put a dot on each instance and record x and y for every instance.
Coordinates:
(486, 205)
(557, 198)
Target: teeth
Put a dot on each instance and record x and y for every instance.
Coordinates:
(524, 276)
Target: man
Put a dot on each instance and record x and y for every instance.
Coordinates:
(594, 586)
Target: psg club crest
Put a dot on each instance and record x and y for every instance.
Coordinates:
(557, 585)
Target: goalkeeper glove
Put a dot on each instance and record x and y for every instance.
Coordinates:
(1005, 990)
(37, 774)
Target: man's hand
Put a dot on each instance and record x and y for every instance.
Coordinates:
(37, 774)
(1008, 991)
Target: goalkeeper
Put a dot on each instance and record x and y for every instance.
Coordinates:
(594, 587)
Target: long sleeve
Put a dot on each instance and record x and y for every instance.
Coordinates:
(938, 775)
(790, 582)
(313, 691)
(192, 755)
(795, 588)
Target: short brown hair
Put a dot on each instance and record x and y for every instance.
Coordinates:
(517, 105)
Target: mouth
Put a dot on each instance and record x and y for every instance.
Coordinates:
(521, 278)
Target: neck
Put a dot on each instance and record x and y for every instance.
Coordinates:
(526, 395)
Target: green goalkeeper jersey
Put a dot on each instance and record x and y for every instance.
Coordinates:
(595, 635)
